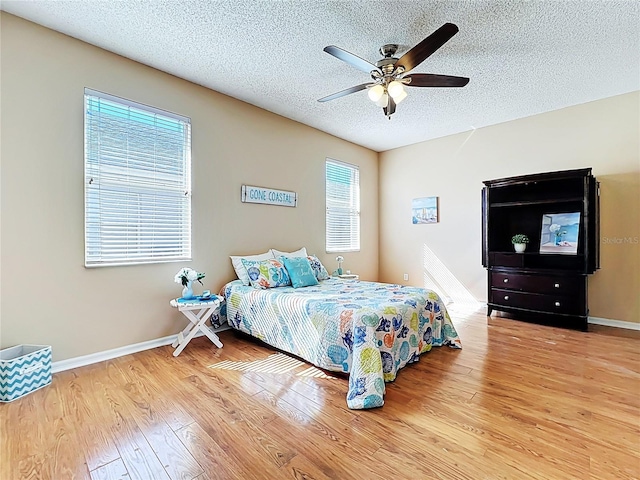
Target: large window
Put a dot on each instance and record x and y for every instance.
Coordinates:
(343, 207)
(137, 183)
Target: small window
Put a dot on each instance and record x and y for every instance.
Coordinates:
(137, 183)
(343, 207)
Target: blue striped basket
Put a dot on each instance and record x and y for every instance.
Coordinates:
(24, 369)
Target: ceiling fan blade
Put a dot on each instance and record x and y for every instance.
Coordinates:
(432, 80)
(350, 58)
(427, 47)
(342, 93)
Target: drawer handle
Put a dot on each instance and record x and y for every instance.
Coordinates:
(506, 297)
(557, 304)
(506, 280)
(557, 285)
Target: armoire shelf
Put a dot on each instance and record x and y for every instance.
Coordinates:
(537, 285)
(534, 202)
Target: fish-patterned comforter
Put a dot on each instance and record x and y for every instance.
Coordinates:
(369, 330)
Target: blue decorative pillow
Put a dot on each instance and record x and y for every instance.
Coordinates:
(317, 267)
(300, 271)
(268, 273)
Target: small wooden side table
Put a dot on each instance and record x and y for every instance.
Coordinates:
(198, 312)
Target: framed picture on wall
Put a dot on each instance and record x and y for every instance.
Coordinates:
(424, 210)
(560, 232)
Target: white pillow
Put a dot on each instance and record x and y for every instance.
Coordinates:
(241, 272)
(298, 253)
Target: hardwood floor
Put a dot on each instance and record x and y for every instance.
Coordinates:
(518, 401)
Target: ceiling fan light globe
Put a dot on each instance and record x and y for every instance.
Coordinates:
(376, 92)
(396, 89)
(383, 100)
(399, 98)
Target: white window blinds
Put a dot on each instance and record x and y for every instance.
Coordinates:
(137, 183)
(343, 207)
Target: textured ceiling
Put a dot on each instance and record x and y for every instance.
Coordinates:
(523, 57)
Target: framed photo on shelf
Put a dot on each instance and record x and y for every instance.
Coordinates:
(560, 233)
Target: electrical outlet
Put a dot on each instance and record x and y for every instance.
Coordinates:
(406, 276)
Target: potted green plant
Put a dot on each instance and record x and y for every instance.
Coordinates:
(520, 241)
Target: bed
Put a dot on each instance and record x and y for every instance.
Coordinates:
(366, 329)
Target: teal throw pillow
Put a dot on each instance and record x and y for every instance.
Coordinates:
(300, 271)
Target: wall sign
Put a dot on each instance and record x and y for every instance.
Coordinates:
(268, 196)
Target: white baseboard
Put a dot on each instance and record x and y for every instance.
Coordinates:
(606, 322)
(614, 323)
(84, 360)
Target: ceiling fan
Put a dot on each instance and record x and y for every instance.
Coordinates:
(390, 74)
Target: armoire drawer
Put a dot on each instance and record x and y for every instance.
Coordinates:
(568, 305)
(552, 284)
